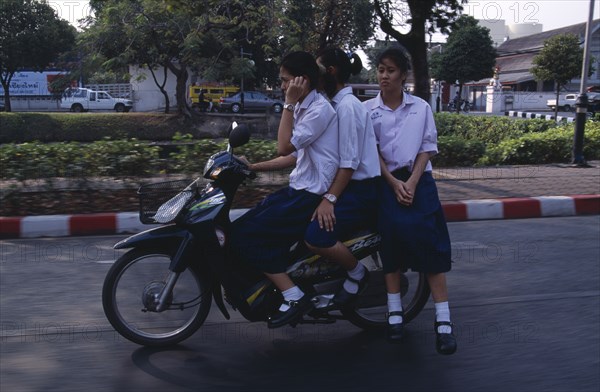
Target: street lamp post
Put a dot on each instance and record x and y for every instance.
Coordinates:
(582, 100)
(242, 53)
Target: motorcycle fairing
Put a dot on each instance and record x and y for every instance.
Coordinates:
(152, 236)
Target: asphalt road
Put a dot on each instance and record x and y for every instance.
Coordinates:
(525, 297)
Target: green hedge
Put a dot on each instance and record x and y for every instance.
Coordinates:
(116, 158)
(88, 127)
(488, 129)
(462, 141)
(554, 145)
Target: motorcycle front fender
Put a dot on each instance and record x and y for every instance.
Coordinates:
(168, 233)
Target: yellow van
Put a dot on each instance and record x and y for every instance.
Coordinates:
(212, 94)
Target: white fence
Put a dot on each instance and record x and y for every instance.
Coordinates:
(515, 100)
(48, 103)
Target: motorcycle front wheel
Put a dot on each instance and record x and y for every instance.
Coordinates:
(130, 292)
(371, 307)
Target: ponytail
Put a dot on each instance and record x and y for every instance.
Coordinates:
(346, 64)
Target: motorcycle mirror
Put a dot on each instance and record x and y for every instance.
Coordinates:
(239, 135)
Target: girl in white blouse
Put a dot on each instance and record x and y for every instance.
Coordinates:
(307, 138)
(350, 203)
(411, 219)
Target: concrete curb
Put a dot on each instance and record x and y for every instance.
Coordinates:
(513, 113)
(128, 222)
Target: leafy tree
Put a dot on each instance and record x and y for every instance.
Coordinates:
(178, 35)
(469, 54)
(314, 25)
(293, 25)
(208, 37)
(559, 60)
(31, 36)
(424, 17)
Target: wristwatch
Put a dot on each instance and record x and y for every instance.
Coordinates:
(289, 106)
(330, 198)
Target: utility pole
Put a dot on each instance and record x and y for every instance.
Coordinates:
(582, 100)
(242, 53)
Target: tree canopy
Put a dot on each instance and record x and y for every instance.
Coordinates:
(216, 38)
(31, 37)
(559, 60)
(468, 55)
(421, 17)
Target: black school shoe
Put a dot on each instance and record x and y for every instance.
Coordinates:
(343, 298)
(445, 343)
(297, 309)
(395, 332)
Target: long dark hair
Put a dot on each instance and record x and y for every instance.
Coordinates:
(300, 64)
(335, 57)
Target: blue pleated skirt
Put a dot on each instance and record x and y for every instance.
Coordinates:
(264, 235)
(355, 209)
(413, 237)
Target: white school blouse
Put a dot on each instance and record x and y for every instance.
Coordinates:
(404, 132)
(315, 137)
(358, 146)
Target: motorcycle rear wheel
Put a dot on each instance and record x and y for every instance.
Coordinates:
(130, 287)
(371, 308)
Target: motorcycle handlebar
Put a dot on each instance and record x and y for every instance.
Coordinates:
(242, 168)
(249, 173)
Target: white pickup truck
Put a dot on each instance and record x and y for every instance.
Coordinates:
(565, 102)
(84, 99)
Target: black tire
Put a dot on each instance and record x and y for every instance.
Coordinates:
(120, 108)
(370, 310)
(140, 273)
(77, 108)
(567, 108)
(236, 107)
(277, 108)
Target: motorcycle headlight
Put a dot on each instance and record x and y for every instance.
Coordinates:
(170, 209)
(208, 166)
(212, 172)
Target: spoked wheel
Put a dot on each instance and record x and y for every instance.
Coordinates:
(130, 296)
(371, 307)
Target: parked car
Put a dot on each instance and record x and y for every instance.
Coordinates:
(565, 103)
(253, 101)
(211, 94)
(84, 99)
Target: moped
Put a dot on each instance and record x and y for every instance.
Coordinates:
(160, 291)
(465, 105)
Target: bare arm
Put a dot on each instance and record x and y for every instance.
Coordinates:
(278, 163)
(297, 88)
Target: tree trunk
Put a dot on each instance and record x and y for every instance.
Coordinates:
(421, 71)
(459, 103)
(181, 74)
(5, 84)
(161, 86)
(415, 44)
(557, 103)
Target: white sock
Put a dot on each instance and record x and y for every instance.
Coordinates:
(357, 273)
(442, 313)
(291, 294)
(394, 305)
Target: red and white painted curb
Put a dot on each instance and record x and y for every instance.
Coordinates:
(128, 222)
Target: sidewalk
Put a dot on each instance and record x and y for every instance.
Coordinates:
(504, 192)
